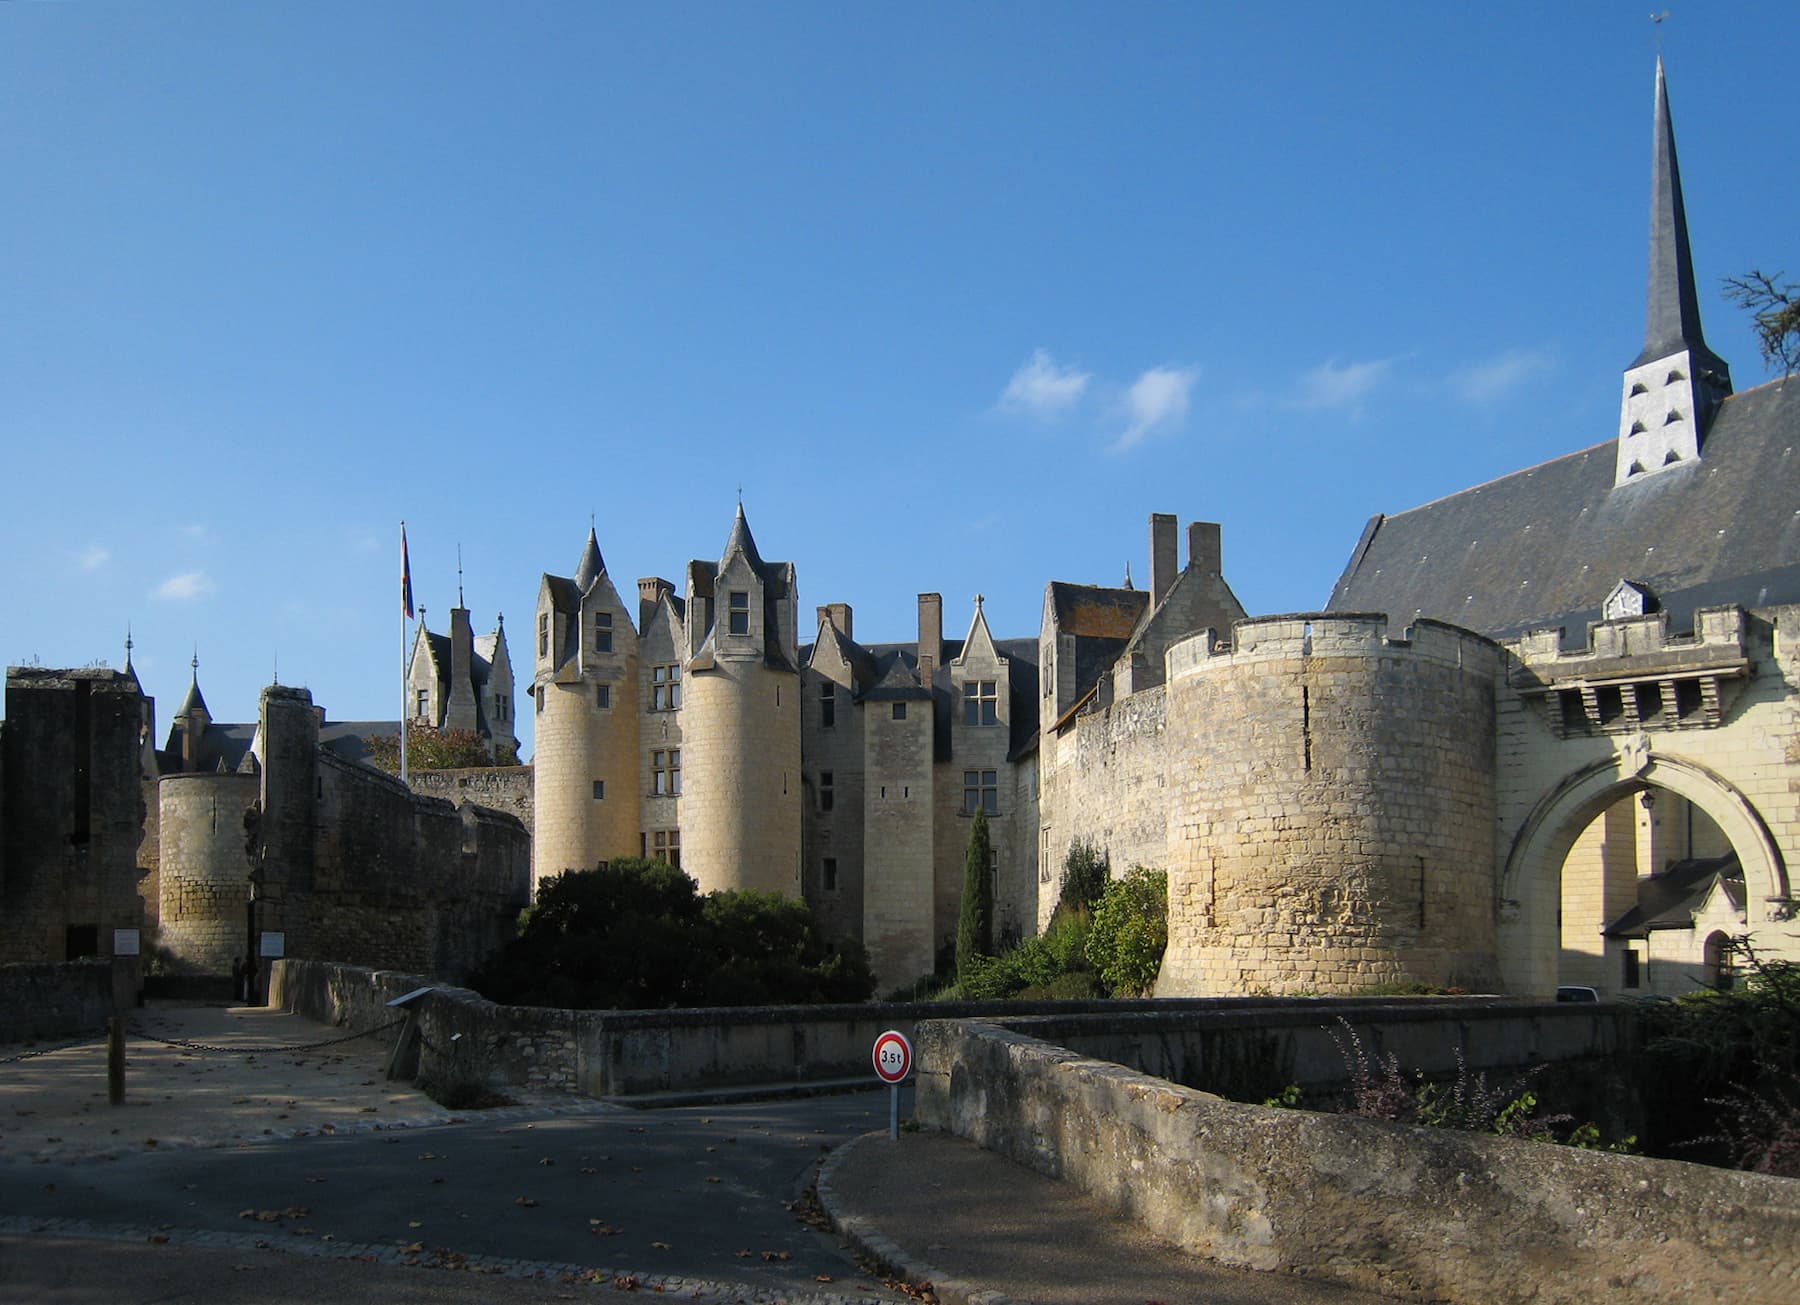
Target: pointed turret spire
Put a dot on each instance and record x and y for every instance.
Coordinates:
(591, 564)
(741, 541)
(1673, 321)
(1676, 384)
(194, 702)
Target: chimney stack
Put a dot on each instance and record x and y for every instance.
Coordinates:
(931, 636)
(1163, 565)
(652, 589)
(1203, 547)
(840, 617)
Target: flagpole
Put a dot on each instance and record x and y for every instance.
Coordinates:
(405, 612)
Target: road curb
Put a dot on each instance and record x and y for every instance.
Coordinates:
(862, 1233)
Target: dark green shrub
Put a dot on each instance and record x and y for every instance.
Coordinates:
(975, 925)
(1130, 931)
(1086, 872)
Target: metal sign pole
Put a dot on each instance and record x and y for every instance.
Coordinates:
(894, 1112)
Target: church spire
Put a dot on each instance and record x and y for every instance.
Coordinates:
(1673, 321)
(1676, 384)
(742, 541)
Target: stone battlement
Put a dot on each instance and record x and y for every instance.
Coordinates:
(1331, 634)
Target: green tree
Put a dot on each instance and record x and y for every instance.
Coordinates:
(635, 934)
(1086, 870)
(975, 926)
(1130, 930)
(428, 748)
(1774, 307)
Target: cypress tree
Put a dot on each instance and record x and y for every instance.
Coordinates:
(975, 926)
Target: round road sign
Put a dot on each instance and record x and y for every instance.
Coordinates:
(893, 1056)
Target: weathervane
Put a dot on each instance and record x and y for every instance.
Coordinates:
(1657, 20)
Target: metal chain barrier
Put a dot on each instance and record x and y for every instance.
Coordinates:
(184, 1045)
(45, 1051)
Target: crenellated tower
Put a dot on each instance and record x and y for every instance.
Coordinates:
(584, 693)
(740, 798)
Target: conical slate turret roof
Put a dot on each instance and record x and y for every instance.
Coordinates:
(1673, 321)
(742, 541)
(591, 565)
(194, 701)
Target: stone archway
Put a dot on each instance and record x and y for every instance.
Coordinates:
(1527, 931)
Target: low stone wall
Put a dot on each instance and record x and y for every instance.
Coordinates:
(625, 1053)
(63, 1000)
(1415, 1212)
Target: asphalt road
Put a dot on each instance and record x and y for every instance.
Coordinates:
(684, 1198)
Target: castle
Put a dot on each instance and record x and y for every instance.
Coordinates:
(240, 842)
(1546, 733)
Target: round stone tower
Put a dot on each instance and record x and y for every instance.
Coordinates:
(585, 783)
(1332, 808)
(741, 793)
(205, 879)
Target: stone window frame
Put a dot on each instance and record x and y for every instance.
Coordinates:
(544, 634)
(603, 632)
(828, 874)
(738, 611)
(665, 687)
(981, 787)
(603, 697)
(899, 711)
(665, 772)
(981, 702)
(665, 845)
(827, 790)
(423, 708)
(827, 704)
(599, 790)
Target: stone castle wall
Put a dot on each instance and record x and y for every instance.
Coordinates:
(499, 788)
(1331, 808)
(741, 790)
(205, 877)
(74, 816)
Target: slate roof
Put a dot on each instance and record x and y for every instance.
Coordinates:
(1670, 900)
(1544, 546)
(897, 664)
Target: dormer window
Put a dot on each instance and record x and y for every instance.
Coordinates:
(740, 612)
(827, 704)
(544, 635)
(980, 703)
(603, 632)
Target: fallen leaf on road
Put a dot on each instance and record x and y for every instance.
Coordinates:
(821, 1277)
(625, 1282)
(161, 1239)
(415, 1223)
(772, 1256)
(659, 1246)
(546, 1161)
(525, 1201)
(746, 1254)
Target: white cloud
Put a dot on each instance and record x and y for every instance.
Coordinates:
(1484, 382)
(1157, 399)
(1341, 385)
(185, 587)
(1042, 389)
(93, 557)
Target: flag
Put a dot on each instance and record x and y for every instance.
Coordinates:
(406, 605)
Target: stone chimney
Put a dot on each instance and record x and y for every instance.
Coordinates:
(1163, 562)
(652, 589)
(1203, 547)
(840, 617)
(931, 636)
(459, 710)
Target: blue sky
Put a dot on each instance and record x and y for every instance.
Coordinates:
(958, 294)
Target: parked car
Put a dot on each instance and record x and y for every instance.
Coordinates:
(1574, 992)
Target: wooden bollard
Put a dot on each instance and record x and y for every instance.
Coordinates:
(115, 1060)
